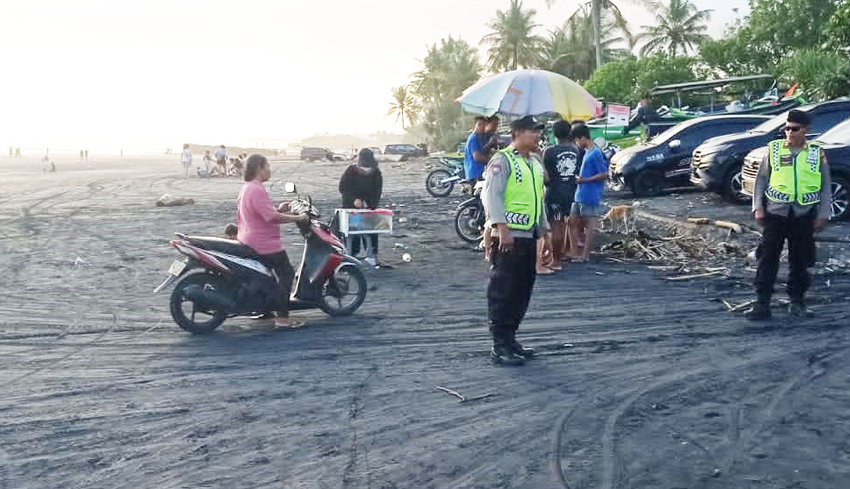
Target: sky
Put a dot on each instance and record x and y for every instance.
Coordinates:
(133, 74)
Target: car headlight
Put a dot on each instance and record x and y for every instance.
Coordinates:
(617, 164)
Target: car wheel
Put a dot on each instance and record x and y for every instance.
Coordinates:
(647, 183)
(733, 186)
(840, 197)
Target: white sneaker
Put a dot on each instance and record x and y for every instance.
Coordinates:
(371, 261)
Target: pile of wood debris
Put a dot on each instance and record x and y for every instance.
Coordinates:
(683, 249)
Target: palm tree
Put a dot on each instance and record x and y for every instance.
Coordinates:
(678, 25)
(597, 10)
(512, 42)
(404, 106)
(570, 51)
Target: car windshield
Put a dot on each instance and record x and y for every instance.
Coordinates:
(839, 134)
(671, 133)
(771, 124)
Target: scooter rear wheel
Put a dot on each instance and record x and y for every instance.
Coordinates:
(344, 292)
(179, 302)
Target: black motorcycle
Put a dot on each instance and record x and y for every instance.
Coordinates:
(470, 218)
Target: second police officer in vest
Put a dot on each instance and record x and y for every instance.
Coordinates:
(791, 200)
(513, 196)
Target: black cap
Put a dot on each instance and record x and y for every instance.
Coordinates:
(798, 117)
(527, 122)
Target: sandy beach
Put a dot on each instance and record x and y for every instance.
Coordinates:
(639, 382)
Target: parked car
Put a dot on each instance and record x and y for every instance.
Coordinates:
(375, 150)
(836, 145)
(403, 149)
(665, 160)
(316, 154)
(717, 162)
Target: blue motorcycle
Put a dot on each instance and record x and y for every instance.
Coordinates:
(441, 182)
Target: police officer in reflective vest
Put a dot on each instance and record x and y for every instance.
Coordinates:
(513, 197)
(792, 201)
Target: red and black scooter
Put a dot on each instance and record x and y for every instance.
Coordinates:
(222, 278)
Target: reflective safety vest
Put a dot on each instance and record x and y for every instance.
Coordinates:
(794, 179)
(523, 192)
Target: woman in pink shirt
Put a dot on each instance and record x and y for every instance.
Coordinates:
(259, 227)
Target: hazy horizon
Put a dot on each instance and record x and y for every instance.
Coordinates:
(106, 75)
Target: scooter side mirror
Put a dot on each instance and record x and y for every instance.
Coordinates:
(289, 187)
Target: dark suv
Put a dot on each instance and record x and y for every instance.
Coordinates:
(403, 149)
(836, 145)
(666, 159)
(316, 154)
(717, 162)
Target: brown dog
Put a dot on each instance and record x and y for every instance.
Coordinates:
(620, 213)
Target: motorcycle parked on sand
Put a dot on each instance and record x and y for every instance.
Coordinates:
(470, 218)
(441, 182)
(222, 278)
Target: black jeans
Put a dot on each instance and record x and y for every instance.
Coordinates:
(372, 245)
(279, 262)
(512, 277)
(800, 233)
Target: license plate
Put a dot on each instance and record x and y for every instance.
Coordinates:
(177, 268)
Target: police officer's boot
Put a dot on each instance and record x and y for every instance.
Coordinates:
(503, 354)
(760, 310)
(798, 308)
(517, 348)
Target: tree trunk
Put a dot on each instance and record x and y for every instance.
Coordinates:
(595, 15)
(516, 55)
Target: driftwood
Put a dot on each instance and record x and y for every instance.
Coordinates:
(461, 396)
(742, 306)
(735, 227)
(696, 275)
(729, 225)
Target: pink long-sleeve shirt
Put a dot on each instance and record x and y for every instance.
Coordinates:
(256, 217)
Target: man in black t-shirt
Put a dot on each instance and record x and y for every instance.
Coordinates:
(562, 163)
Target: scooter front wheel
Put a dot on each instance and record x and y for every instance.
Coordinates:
(469, 221)
(344, 292)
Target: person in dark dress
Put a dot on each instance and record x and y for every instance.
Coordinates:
(361, 186)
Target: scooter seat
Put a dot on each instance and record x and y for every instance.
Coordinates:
(229, 246)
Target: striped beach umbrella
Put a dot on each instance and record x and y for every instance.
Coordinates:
(530, 92)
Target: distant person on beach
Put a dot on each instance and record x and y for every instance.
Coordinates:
(81, 156)
(187, 160)
(587, 205)
(10, 152)
(208, 161)
(361, 186)
(18, 152)
(258, 224)
(87, 155)
(221, 160)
